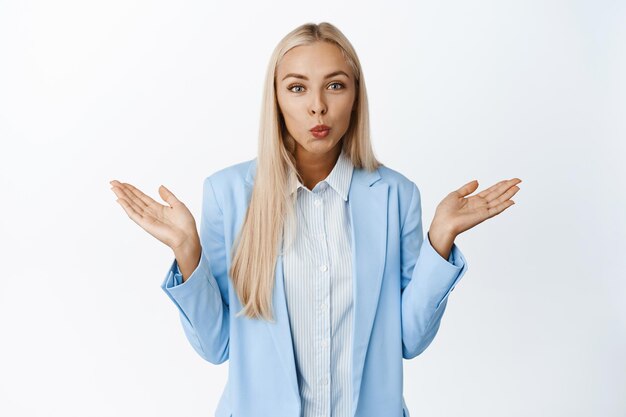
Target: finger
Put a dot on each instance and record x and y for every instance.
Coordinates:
(500, 188)
(168, 196)
(468, 188)
(131, 205)
(500, 208)
(486, 191)
(143, 199)
(130, 211)
(507, 195)
(129, 198)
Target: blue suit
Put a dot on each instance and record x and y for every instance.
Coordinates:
(401, 288)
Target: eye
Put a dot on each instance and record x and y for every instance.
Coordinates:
(294, 86)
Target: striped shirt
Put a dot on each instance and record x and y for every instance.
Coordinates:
(318, 289)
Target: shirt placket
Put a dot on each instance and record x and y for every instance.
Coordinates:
(322, 298)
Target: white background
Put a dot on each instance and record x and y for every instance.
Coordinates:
(154, 92)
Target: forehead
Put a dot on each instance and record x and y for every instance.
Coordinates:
(316, 59)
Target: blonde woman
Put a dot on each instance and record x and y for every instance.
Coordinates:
(311, 273)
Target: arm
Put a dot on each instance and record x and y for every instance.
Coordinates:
(204, 314)
(427, 281)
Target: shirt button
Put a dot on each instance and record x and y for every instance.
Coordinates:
(324, 343)
(317, 202)
(323, 268)
(325, 381)
(323, 306)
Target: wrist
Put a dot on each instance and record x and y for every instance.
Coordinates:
(189, 245)
(441, 240)
(188, 258)
(442, 231)
(188, 251)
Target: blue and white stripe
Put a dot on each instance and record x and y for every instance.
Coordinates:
(318, 289)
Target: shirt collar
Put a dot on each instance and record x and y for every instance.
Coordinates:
(339, 178)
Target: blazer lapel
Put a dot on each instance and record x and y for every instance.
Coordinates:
(368, 214)
(368, 218)
(280, 329)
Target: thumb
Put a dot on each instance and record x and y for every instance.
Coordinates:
(167, 196)
(468, 188)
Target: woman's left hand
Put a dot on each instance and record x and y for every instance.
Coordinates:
(457, 213)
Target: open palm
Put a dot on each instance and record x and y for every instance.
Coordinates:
(460, 213)
(173, 225)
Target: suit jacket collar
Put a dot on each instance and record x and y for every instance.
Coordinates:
(368, 198)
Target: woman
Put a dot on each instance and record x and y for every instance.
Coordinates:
(311, 272)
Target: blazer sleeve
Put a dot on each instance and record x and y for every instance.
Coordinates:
(427, 281)
(203, 309)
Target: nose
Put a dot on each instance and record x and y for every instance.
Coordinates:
(318, 105)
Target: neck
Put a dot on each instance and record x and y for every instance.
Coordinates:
(313, 168)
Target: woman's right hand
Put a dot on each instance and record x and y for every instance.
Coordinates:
(173, 225)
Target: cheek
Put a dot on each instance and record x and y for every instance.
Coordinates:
(346, 113)
(290, 120)
(290, 117)
(345, 106)
(293, 118)
(287, 109)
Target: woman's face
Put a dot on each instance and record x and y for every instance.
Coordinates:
(315, 85)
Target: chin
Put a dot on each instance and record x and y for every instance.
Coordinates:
(321, 146)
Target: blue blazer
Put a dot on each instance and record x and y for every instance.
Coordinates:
(401, 288)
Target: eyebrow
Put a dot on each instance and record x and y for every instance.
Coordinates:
(332, 74)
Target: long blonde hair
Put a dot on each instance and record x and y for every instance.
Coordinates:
(271, 204)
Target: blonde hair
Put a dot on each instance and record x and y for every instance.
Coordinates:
(271, 204)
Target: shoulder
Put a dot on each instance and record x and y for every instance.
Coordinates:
(398, 181)
(227, 187)
(232, 175)
(404, 191)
